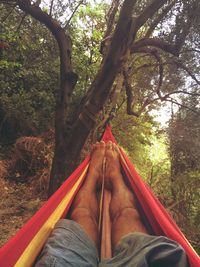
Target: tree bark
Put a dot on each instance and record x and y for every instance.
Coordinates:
(67, 83)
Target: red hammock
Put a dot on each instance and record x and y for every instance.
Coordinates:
(23, 248)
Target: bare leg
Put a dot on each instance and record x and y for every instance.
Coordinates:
(85, 210)
(123, 211)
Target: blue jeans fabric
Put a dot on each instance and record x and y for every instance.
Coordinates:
(69, 245)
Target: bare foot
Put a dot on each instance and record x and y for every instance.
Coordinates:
(86, 198)
(113, 173)
(96, 163)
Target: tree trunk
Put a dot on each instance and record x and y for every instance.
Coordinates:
(67, 151)
(66, 157)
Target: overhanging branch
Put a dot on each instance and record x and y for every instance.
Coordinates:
(182, 66)
(63, 40)
(110, 25)
(154, 42)
(181, 105)
(156, 55)
(149, 12)
(174, 62)
(159, 18)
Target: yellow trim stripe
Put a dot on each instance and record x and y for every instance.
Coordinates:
(30, 253)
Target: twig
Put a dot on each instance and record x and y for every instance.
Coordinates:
(181, 65)
(181, 92)
(175, 204)
(190, 50)
(8, 14)
(22, 20)
(76, 8)
(181, 105)
(51, 8)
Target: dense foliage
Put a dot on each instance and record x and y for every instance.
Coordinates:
(29, 89)
(184, 132)
(28, 78)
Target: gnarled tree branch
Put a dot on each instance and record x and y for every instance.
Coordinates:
(109, 28)
(155, 42)
(149, 12)
(67, 77)
(130, 96)
(156, 55)
(159, 18)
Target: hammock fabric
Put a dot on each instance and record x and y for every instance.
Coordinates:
(23, 248)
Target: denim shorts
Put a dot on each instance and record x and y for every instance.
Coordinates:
(69, 245)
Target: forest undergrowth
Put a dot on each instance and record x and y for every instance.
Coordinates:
(24, 178)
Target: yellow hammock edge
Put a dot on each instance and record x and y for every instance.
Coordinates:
(30, 253)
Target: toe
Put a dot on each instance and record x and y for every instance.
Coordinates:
(109, 145)
(102, 144)
(113, 146)
(116, 148)
(95, 146)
